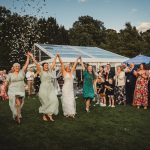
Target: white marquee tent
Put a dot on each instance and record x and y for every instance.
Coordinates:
(92, 55)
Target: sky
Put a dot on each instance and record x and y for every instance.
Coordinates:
(114, 13)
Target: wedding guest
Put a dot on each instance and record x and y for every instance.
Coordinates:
(141, 87)
(30, 80)
(130, 82)
(88, 90)
(110, 92)
(108, 73)
(3, 93)
(100, 88)
(101, 72)
(37, 82)
(120, 86)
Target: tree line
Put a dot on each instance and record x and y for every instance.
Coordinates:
(19, 33)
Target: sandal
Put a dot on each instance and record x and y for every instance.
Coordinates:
(87, 110)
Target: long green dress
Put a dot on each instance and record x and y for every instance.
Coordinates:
(16, 87)
(47, 94)
(88, 90)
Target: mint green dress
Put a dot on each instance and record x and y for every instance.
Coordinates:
(16, 87)
(88, 90)
(47, 95)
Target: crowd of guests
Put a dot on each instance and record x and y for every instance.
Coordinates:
(125, 85)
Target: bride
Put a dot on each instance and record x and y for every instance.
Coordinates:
(68, 99)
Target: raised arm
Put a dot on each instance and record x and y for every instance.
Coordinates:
(74, 65)
(53, 63)
(26, 63)
(37, 64)
(82, 65)
(95, 87)
(61, 62)
(145, 75)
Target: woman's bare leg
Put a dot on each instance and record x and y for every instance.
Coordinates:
(88, 105)
(18, 107)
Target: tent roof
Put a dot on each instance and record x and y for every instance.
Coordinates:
(89, 54)
(139, 59)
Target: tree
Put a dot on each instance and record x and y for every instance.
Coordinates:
(4, 49)
(146, 42)
(63, 36)
(131, 41)
(87, 31)
(49, 30)
(111, 40)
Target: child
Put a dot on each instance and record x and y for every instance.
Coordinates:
(3, 93)
(100, 91)
(110, 92)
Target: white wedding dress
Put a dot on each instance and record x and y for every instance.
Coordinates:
(68, 99)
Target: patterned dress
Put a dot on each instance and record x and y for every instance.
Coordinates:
(119, 90)
(141, 92)
(120, 94)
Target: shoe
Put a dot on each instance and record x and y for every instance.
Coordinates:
(97, 103)
(109, 106)
(145, 107)
(119, 102)
(72, 116)
(94, 99)
(113, 106)
(103, 105)
(66, 116)
(87, 110)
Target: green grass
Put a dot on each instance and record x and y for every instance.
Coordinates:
(123, 128)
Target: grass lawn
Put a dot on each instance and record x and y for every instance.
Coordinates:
(123, 128)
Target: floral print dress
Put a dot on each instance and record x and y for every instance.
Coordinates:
(141, 92)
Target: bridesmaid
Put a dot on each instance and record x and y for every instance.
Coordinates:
(16, 89)
(68, 99)
(88, 89)
(47, 95)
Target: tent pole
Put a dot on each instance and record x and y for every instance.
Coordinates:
(39, 55)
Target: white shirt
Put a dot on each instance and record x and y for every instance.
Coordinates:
(120, 79)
